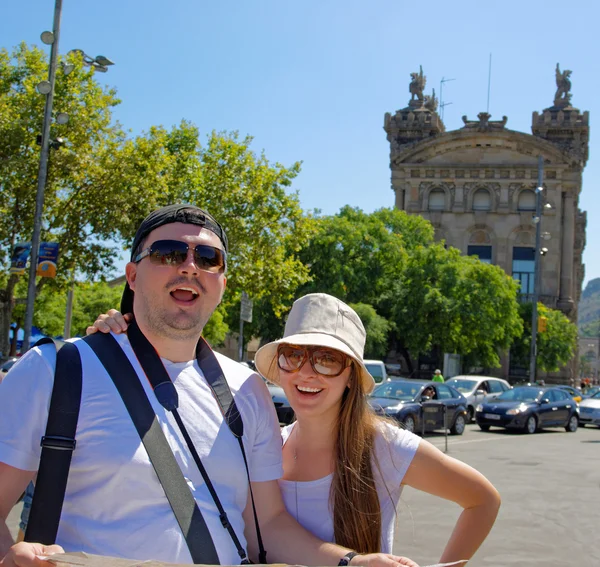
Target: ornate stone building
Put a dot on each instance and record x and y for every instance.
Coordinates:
(476, 185)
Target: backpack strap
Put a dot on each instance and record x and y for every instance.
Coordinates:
(188, 515)
(58, 445)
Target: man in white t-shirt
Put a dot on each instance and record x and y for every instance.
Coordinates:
(114, 504)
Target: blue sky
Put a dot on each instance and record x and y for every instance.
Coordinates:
(311, 80)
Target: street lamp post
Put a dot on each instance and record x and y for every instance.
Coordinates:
(536, 267)
(42, 173)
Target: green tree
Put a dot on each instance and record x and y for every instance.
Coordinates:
(103, 183)
(556, 346)
(75, 205)
(377, 328)
(454, 303)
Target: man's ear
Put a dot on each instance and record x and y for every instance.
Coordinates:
(131, 274)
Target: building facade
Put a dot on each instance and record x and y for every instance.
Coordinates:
(476, 185)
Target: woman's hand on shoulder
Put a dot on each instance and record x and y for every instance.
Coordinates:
(382, 560)
(112, 321)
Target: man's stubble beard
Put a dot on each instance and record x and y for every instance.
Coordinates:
(181, 325)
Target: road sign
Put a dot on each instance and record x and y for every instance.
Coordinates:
(246, 308)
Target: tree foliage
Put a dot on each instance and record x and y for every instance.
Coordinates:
(377, 328)
(103, 182)
(432, 298)
(556, 346)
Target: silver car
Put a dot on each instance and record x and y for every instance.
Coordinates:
(589, 410)
(478, 389)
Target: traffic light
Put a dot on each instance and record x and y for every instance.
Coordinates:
(542, 324)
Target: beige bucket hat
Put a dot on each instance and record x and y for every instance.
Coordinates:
(319, 319)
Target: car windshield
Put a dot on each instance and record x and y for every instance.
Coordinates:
(403, 391)
(375, 370)
(520, 395)
(596, 396)
(462, 385)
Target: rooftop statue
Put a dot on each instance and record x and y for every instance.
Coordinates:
(431, 102)
(562, 97)
(417, 86)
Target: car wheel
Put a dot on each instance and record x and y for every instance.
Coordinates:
(470, 414)
(572, 424)
(409, 423)
(458, 427)
(530, 425)
(484, 427)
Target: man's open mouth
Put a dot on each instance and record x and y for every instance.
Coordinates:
(184, 294)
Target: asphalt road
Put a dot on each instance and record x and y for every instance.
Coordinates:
(550, 487)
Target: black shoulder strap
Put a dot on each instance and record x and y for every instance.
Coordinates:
(58, 445)
(189, 517)
(215, 377)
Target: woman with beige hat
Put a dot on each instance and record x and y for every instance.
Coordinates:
(344, 467)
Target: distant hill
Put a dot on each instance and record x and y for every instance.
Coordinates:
(589, 310)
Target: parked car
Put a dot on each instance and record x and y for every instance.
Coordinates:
(376, 369)
(589, 410)
(285, 413)
(529, 409)
(7, 366)
(406, 402)
(478, 389)
(576, 394)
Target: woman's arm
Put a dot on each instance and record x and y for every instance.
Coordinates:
(436, 473)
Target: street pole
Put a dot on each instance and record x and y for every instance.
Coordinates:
(241, 341)
(69, 312)
(537, 270)
(42, 176)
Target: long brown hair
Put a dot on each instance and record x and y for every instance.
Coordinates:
(356, 508)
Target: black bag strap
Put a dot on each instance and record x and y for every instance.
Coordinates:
(189, 517)
(166, 394)
(216, 380)
(58, 445)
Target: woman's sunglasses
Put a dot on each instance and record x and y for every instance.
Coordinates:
(174, 253)
(325, 361)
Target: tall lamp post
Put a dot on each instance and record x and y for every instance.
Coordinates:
(537, 219)
(46, 88)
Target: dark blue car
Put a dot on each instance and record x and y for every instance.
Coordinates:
(421, 405)
(529, 409)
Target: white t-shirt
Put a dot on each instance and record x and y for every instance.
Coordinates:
(309, 501)
(114, 503)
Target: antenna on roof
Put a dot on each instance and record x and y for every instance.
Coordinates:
(442, 103)
(489, 84)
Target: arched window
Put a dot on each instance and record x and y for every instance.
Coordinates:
(437, 200)
(482, 200)
(526, 200)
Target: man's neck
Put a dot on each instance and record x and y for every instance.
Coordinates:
(173, 349)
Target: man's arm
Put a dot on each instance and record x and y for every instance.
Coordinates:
(286, 541)
(13, 483)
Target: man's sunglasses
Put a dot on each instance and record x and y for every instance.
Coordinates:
(325, 361)
(174, 253)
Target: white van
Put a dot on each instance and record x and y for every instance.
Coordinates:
(376, 369)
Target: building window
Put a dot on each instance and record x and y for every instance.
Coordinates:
(484, 253)
(482, 200)
(437, 200)
(523, 268)
(526, 200)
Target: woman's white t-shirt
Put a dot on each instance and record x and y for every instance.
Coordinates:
(309, 501)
